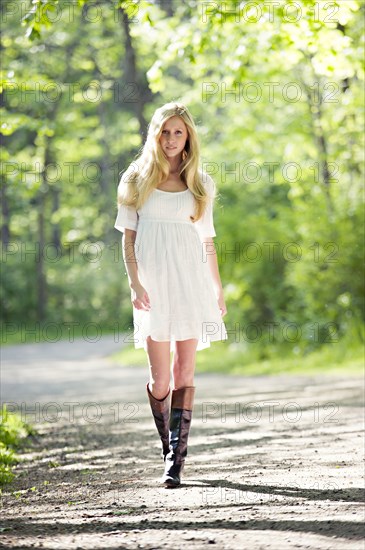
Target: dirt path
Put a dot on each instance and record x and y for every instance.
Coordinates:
(274, 462)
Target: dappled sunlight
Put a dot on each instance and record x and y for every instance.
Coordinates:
(266, 136)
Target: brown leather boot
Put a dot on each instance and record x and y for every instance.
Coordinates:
(182, 402)
(161, 414)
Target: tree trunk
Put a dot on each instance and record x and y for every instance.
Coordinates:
(56, 233)
(5, 224)
(5, 230)
(143, 94)
(41, 278)
(315, 112)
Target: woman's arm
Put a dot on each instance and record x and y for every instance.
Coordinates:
(210, 255)
(129, 257)
(139, 295)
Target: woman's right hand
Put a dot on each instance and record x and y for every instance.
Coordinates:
(140, 298)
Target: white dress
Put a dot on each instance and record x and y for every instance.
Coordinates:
(173, 269)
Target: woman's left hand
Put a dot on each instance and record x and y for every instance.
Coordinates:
(221, 303)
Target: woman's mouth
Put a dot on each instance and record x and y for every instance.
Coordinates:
(170, 147)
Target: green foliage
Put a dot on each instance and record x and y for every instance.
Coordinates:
(12, 431)
(84, 287)
(255, 359)
(278, 101)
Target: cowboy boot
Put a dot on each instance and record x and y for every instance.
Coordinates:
(180, 421)
(161, 413)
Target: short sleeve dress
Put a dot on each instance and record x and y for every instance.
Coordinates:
(173, 268)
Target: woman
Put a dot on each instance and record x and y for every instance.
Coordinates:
(165, 210)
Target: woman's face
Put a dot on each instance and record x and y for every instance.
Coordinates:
(173, 136)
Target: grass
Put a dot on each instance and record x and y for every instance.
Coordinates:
(12, 431)
(250, 360)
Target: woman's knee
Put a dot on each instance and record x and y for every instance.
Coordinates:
(159, 388)
(159, 381)
(183, 375)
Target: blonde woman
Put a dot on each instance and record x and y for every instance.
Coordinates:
(165, 212)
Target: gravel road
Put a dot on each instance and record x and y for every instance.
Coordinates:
(273, 462)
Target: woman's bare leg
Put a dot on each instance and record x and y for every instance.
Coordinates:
(182, 402)
(159, 366)
(184, 363)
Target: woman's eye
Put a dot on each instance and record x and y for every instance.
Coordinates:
(166, 132)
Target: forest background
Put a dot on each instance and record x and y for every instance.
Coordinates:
(276, 90)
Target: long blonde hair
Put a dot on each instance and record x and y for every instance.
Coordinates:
(152, 167)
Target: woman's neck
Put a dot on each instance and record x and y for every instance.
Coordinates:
(174, 165)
